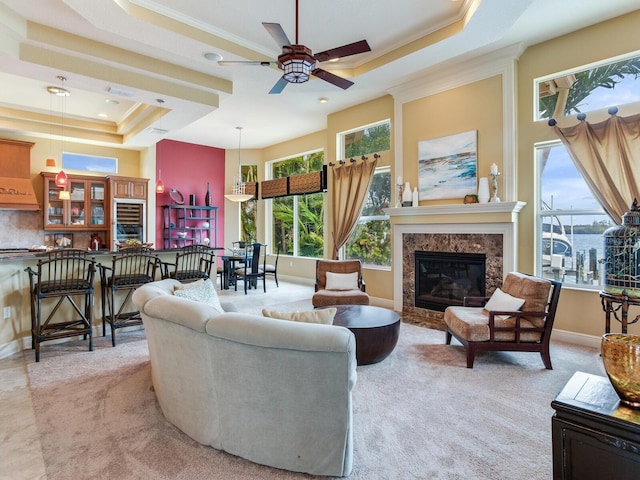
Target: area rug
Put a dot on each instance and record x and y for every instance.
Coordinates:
(418, 414)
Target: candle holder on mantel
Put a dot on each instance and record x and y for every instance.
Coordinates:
(494, 183)
(399, 195)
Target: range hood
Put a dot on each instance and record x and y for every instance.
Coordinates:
(17, 194)
(16, 189)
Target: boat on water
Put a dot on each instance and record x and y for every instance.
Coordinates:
(555, 242)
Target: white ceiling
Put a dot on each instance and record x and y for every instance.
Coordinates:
(178, 32)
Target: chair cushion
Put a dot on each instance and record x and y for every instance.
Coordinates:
(325, 298)
(472, 324)
(534, 290)
(269, 268)
(199, 291)
(501, 301)
(342, 281)
(324, 315)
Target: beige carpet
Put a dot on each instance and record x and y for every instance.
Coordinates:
(419, 414)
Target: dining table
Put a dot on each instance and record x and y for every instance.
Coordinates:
(229, 268)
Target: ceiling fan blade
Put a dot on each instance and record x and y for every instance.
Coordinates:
(279, 86)
(343, 51)
(331, 78)
(246, 62)
(277, 33)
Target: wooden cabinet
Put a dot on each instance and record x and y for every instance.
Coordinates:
(594, 436)
(84, 209)
(189, 225)
(129, 187)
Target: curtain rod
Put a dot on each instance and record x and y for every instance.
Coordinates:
(583, 116)
(353, 160)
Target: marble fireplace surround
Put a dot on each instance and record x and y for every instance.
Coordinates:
(489, 228)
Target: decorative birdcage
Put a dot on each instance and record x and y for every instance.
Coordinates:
(622, 255)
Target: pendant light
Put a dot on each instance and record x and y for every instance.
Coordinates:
(159, 182)
(238, 188)
(61, 179)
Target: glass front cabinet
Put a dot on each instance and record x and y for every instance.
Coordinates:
(78, 206)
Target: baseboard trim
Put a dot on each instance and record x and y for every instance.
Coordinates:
(576, 338)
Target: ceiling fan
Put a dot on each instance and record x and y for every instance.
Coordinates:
(298, 61)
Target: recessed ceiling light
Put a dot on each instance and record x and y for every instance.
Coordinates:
(112, 101)
(214, 57)
(323, 100)
(334, 59)
(103, 115)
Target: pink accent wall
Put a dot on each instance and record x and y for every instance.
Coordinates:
(188, 167)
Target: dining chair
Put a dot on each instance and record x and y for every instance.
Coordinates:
(130, 268)
(65, 274)
(252, 270)
(273, 269)
(193, 262)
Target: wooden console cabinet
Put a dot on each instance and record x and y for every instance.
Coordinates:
(594, 436)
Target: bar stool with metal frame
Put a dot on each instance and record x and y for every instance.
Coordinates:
(63, 274)
(130, 268)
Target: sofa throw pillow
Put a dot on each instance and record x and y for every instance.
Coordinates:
(342, 281)
(323, 315)
(199, 291)
(504, 302)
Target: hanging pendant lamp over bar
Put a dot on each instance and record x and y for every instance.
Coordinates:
(61, 179)
(238, 193)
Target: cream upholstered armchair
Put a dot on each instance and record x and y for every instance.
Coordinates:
(518, 317)
(339, 282)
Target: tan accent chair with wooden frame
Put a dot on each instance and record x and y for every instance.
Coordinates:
(352, 296)
(525, 330)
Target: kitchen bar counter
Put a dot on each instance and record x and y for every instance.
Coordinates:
(15, 301)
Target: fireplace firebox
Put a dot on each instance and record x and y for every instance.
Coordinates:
(445, 278)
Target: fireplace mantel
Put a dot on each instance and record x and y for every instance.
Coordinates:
(477, 218)
(506, 211)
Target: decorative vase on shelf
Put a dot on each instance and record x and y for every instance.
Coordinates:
(415, 196)
(207, 197)
(483, 190)
(407, 196)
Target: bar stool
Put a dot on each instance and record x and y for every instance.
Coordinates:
(129, 269)
(63, 275)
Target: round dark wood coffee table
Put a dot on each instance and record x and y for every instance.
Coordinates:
(376, 330)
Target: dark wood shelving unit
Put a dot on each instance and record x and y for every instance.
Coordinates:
(187, 225)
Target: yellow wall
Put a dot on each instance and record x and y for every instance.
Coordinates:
(476, 106)
(579, 310)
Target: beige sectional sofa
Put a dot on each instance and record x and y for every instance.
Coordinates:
(275, 392)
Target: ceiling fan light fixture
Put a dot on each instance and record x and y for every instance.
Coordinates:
(297, 64)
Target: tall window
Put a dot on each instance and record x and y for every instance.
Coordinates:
(371, 240)
(571, 222)
(298, 227)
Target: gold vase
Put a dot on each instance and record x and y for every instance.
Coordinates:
(621, 358)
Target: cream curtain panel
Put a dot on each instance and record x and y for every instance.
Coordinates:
(607, 154)
(351, 183)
